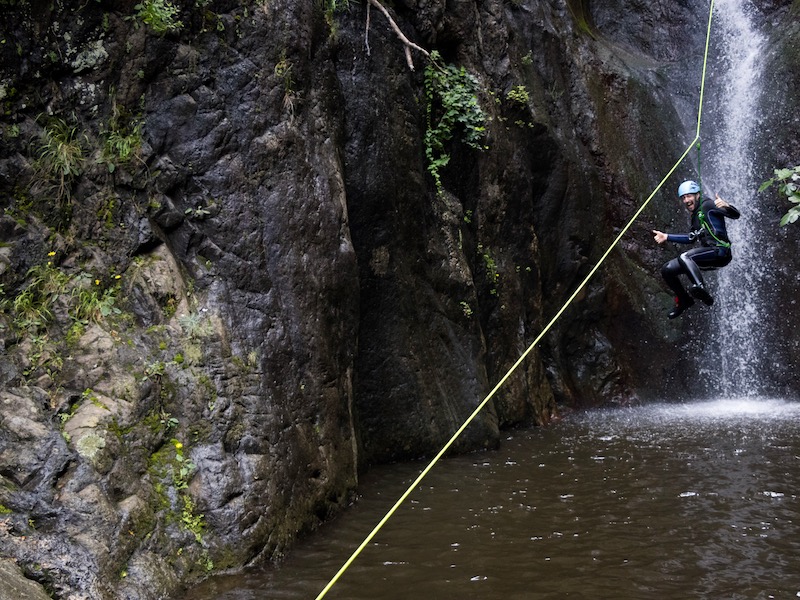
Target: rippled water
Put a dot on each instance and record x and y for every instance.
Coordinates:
(666, 501)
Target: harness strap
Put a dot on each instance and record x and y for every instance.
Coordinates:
(707, 226)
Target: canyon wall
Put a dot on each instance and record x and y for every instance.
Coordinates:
(231, 283)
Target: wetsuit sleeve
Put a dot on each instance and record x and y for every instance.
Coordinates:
(731, 212)
(679, 238)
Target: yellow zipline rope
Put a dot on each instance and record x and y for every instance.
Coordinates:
(500, 383)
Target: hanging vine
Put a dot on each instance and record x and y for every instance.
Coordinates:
(452, 104)
(451, 97)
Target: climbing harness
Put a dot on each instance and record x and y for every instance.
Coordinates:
(707, 226)
(535, 342)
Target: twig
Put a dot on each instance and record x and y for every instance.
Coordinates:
(366, 30)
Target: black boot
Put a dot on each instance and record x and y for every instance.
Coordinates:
(700, 292)
(681, 304)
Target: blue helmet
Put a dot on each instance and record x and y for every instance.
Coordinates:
(688, 187)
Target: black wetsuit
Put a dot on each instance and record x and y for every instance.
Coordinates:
(714, 251)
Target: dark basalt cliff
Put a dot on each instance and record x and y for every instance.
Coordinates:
(207, 338)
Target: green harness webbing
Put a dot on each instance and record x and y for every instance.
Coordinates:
(707, 226)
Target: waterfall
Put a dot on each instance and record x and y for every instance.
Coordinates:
(737, 339)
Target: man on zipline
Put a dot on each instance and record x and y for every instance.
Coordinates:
(708, 227)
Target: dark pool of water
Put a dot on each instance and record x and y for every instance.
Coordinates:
(665, 501)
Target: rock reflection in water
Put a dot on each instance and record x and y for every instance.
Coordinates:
(689, 501)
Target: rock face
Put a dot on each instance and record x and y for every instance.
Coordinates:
(230, 282)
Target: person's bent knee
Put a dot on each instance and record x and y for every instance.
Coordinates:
(671, 268)
(686, 257)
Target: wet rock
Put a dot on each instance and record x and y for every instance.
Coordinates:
(13, 584)
(288, 298)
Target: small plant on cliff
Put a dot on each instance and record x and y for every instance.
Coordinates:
(60, 158)
(93, 303)
(123, 140)
(329, 7)
(159, 15)
(177, 470)
(788, 181)
(492, 276)
(185, 468)
(452, 103)
(518, 95)
(334, 5)
(191, 520)
(195, 326)
(198, 213)
(32, 307)
(283, 70)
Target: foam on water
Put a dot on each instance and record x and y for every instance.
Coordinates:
(716, 422)
(750, 407)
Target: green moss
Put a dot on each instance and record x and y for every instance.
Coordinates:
(75, 333)
(88, 394)
(235, 433)
(201, 431)
(152, 422)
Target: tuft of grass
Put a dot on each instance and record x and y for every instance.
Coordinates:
(122, 143)
(60, 157)
(32, 307)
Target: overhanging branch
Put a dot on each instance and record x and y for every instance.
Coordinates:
(407, 44)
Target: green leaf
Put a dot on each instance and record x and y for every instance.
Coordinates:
(765, 185)
(791, 216)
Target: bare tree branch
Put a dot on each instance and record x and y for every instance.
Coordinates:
(407, 43)
(366, 30)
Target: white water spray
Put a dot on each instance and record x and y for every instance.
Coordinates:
(737, 340)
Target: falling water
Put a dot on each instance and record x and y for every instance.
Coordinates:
(737, 343)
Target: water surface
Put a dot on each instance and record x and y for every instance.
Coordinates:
(666, 501)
